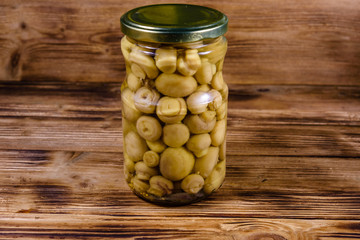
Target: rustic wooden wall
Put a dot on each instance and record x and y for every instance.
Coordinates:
(271, 42)
(293, 172)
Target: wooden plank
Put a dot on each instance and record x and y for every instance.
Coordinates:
(76, 195)
(61, 134)
(293, 140)
(279, 42)
(10, 47)
(112, 227)
(263, 120)
(301, 98)
(273, 42)
(243, 139)
(60, 100)
(60, 182)
(330, 105)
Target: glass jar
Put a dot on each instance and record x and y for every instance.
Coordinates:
(174, 102)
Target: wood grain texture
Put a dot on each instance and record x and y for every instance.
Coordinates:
(256, 186)
(292, 167)
(293, 140)
(270, 42)
(83, 195)
(263, 120)
(199, 228)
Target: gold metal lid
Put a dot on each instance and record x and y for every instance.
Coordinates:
(173, 23)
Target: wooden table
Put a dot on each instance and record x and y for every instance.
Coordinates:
(293, 169)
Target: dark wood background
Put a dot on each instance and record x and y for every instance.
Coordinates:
(293, 172)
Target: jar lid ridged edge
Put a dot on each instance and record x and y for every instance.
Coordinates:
(173, 23)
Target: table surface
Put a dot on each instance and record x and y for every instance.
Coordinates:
(293, 158)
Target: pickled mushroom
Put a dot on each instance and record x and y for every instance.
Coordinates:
(135, 146)
(175, 135)
(129, 111)
(199, 144)
(224, 92)
(149, 128)
(129, 167)
(139, 185)
(218, 133)
(222, 151)
(156, 146)
(144, 61)
(160, 186)
(192, 183)
(215, 98)
(133, 82)
(189, 63)
(203, 123)
(171, 110)
(217, 81)
(203, 88)
(176, 163)
(137, 71)
(221, 112)
(204, 165)
(128, 126)
(175, 85)
(151, 158)
(216, 178)
(126, 47)
(144, 172)
(145, 99)
(205, 72)
(165, 59)
(197, 102)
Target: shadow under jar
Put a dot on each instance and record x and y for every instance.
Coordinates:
(174, 102)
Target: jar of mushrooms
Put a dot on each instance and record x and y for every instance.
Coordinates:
(174, 102)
